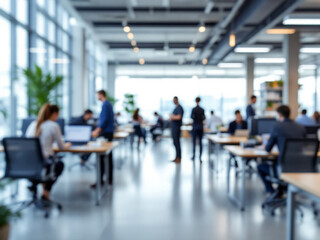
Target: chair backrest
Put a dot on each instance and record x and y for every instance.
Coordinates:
(299, 156)
(25, 124)
(24, 158)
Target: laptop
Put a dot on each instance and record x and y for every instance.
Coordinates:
(78, 135)
(241, 133)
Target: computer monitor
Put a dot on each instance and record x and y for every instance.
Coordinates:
(27, 121)
(312, 131)
(78, 134)
(61, 124)
(259, 126)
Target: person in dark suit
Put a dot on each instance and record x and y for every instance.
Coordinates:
(105, 129)
(198, 117)
(250, 110)
(238, 123)
(286, 128)
(83, 119)
(159, 125)
(176, 123)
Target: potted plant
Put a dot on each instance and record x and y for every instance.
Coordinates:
(129, 103)
(112, 100)
(6, 215)
(41, 88)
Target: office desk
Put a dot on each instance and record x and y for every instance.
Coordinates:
(245, 154)
(304, 183)
(105, 149)
(221, 140)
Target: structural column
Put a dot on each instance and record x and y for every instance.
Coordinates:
(291, 50)
(250, 77)
(111, 79)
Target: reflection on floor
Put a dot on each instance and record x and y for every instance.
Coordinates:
(154, 199)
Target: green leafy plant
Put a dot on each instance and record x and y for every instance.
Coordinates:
(129, 103)
(41, 88)
(112, 100)
(3, 110)
(6, 214)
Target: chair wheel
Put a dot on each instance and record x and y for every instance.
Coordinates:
(46, 215)
(59, 207)
(273, 214)
(315, 213)
(263, 206)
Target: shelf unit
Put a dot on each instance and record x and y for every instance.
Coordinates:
(271, 97)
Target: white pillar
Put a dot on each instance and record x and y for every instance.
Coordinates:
(111, 79)
(291, 48)
(249, 77)
(79, 79)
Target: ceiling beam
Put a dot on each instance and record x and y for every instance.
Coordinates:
(152, 24)
(147, 9)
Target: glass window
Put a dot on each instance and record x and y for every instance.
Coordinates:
(52, 7)
(51, 59)
(41, 54)
(22, 11)
(41, 24)
(51, 32)
(65, 42)
(5, 5)
(20, 85)
(307, 94)
(41, 3)
(5, 41)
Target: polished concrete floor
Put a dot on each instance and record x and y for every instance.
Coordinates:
(154, 199)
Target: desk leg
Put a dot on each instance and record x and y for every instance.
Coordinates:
(243, 184)
(228, 175)
(290, 212)
(98, 182)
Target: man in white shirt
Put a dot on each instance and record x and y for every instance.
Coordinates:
(214, 122)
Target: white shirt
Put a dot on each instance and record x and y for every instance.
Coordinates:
(50, 134)
(214, 122)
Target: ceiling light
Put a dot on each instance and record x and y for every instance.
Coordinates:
(73, 21)
(230, 65)
(192, 49)
(310, 50)
(136, 49)
(301, 21)
(270, 60)
(281, 31)
(205, 61)
(252, 49)
(126, 29)
(141, 61)
(130, 35)
(202, 29)
(194, 77)
(232, 40)
(133, 43)
(60, 60)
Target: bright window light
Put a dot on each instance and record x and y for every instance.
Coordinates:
(310, 50)
(270, 60)
(73, 21)
(215, 72)
(38, 50)
(307, 67)
(252, 49)
(230, 65)
(60, 60)
(301, 21)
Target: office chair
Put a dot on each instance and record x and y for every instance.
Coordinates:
(299, 156)
(25, 124)
(24, 160)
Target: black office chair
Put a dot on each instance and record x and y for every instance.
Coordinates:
(299, 156)
(24, 160)
(25, 124)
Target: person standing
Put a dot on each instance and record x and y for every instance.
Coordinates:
(251, 109)
(197, 127)
(105, 129)
(176, 123)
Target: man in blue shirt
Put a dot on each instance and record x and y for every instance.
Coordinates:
(283, 130)
(105, 129)
(176, 123)
(304, 120)
(250, 110)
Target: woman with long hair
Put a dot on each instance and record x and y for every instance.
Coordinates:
(48, 131)
(137, 120)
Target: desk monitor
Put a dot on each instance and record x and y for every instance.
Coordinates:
(312, 131)
(259, 126)
(78, 134)
(27, 121)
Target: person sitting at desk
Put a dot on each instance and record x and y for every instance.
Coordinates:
(286, 128)
(304, 120)
(237, 124)
(83, 119)
(159, 125)
(137, 120)
(214, 122)
(316, 117)
(48, 131)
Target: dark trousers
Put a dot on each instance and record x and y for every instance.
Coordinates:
(57, 170)
(109, 137)
(197, 133)
(176, 132)
(264, 172)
